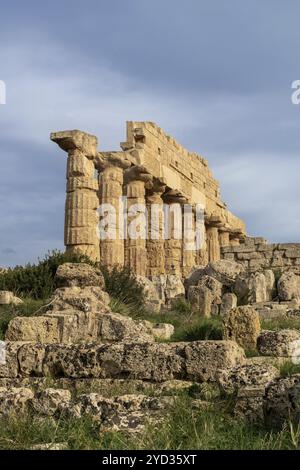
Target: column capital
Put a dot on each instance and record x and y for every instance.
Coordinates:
(76, 140)
(138, 173)
(113, 159)
(174, 196)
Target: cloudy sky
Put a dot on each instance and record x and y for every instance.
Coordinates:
(216, 75)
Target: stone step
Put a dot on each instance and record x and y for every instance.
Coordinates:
(156, 362)
(122, 413)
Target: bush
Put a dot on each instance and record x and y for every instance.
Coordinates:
(37, 280)
(123, 287)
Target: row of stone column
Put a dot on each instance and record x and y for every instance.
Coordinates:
(95, 180)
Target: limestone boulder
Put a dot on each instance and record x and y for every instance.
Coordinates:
(87, 299)
(51, 402)
(162, 331)
(9, 365)
(201, 300)
(68, 327)
(153, 299)
(151, 362)
(246, 375)
(8, 298)
(204, 359)
(289, 286)
(14, 400)
(282, 343)
(250, 288)
(271, 288)
(224, 271)
(174, 289)
(242, 325)
(79, 275)
(229, 301)
(282, 401)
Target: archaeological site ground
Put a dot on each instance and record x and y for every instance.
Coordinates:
(164, 325)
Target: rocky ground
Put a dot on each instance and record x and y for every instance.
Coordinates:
(77, 361)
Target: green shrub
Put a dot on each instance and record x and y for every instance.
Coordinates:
(281, 323)
(199, 329)
(37, 280)
(123, 287)
(8, 312)
(288, 368)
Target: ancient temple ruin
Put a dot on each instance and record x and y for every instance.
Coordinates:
(151, 168)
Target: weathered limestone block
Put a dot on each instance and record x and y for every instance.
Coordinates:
(250, 288)
(204, 359)
(153, 301)
(174, 288)
(224, 271)
(245, 375)
(77, 299)
(8, 297)
(282, 401)
(14, 400)
(201, 300)
(79, 165)
(163, 331)
(229, 301)
(282, 343)
(242, 325)
(30, 357)
(249, 404)
(11, 366)
(270, 284)
(288, 286)
(51, 402)
(69, 327)
(79, 275)
(41, 329)
(248, 384)
(155, 362)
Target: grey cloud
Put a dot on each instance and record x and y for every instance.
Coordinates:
(216, 75)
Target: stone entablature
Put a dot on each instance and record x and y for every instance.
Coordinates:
(256, 253)
(151, 168)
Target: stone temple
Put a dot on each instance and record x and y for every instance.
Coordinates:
(151, 168)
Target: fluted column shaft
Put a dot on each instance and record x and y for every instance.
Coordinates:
(135, 244)
(81, 200)
(155, 240)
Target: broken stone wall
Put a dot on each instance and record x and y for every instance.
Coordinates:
(256, 253)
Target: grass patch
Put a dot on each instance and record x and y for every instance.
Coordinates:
(281, 323)
(288, 368)
(183, 428)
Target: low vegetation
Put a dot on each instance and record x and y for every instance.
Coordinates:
(281, 323)
(184, 428)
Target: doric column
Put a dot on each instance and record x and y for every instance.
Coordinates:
(155, 239)
(213, 223)
(81, 216)
(224, 236)
(173, 241)
(136, 179)
(111, 179)
(188, 251)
